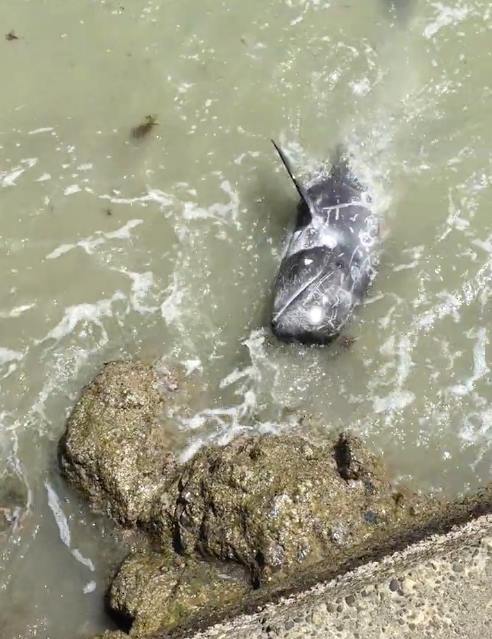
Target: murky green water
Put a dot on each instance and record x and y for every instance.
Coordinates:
(166, 247)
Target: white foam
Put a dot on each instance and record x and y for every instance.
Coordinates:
(445, 16)
(89, 587)
(7, 355)
(58, 514)
(171, 307)
(73, 188)
(85, 561)
(46, 129)
(477, 427)
(9, 178)
(235, 376)
(74, 315)
(469, 291)
(44, 177)
(90, 243)
(480, 368)
(151, 195)
(191, 450)
(142, 284)
(395, 401)
(361, 87)
(63, 527)
(222, 212)
(192, 365)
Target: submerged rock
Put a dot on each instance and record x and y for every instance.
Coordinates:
(13, 501)
(274, 503)
(114, 449)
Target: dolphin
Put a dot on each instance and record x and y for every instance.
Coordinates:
(330, 258)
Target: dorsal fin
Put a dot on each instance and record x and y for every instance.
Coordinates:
(300, 189)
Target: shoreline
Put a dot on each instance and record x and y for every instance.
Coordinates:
(437, 585)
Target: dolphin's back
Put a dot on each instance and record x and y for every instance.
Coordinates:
(337, 188)
(328, 264)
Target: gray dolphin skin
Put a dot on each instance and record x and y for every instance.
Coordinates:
(330, 259)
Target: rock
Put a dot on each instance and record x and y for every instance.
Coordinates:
(275, 504)
(114, 449)
(13, 501)
(237, 526)
(153, 592)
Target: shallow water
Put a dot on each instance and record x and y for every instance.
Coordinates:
(166, 247)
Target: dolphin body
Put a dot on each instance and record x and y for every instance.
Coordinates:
(330, 259)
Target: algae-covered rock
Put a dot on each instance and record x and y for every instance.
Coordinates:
(114, 448)
(274, 504)
(154, 592)
(277, 506)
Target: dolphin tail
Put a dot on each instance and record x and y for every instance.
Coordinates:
(303, 193)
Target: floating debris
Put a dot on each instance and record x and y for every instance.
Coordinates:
(347, 341)
(145, 127)
(11, 36)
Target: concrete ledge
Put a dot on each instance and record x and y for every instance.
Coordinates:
(438, 588)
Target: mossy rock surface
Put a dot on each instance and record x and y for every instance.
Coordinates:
(276, 503)
(236, 526)
(153, 592)
(114, 448)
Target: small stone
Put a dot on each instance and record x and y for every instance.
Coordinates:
(394, 585)
(371, 517)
